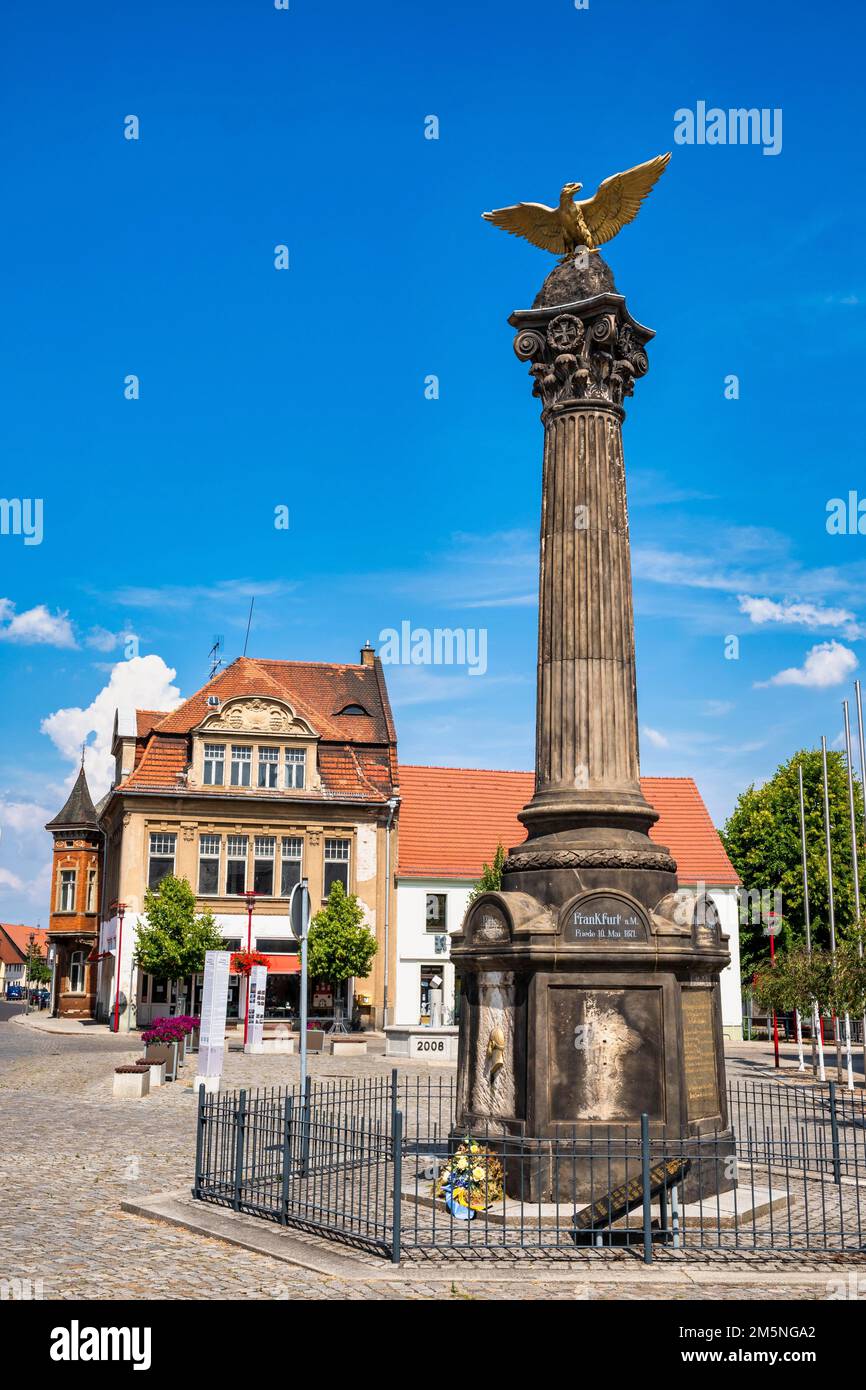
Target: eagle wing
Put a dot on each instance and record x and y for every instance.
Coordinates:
(618, 199)
(534, 221)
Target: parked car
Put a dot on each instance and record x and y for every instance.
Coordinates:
(14, 992)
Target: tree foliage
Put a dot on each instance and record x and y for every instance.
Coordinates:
(762, 838)
(491, 876)
(172, 941)
(797, 979)
(340, 946)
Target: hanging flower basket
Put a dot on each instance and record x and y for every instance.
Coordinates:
(242, 962)
(471, 1180)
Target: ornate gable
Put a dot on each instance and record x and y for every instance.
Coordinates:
(256, 715)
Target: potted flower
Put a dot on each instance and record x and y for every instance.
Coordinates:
(471, 1181)
(162, 1044)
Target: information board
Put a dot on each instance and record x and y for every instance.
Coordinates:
(214, 1003)
(258, 989)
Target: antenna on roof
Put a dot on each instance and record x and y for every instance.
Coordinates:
(249, 620)
(214, 656)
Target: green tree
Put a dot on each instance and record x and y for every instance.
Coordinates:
(37, 970)
(491, 876)
(173, 940)
(340, 947)
(762, 837)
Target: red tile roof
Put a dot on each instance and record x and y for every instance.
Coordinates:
(316, 690)
(19, 936)
(452, 819)
(357, 752)
(146, 718)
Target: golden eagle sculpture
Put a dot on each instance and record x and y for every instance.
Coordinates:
(588, 223)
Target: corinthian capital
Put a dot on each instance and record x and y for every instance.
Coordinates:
(585, 351)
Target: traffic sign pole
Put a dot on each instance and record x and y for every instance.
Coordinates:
(299, 918)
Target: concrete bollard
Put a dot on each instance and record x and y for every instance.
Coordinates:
(132, 1082)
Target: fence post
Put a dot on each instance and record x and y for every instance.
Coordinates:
(287, 1158)
(393, 1102)
(645, 1179)
(834, 1130)
(305, 1130)
(199, 1142)
(240, 1122)
(397, 1201)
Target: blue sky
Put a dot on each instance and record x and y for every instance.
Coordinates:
(305, 387)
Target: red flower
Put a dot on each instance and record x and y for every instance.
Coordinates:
(242, 962)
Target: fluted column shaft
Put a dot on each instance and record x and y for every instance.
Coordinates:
(586, 725)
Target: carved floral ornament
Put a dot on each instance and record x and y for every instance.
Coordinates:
(573, 360)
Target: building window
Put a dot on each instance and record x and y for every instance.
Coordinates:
(242, 762)
(269, 767)
(290, 865)
(161, 858)
(296, 765)
(437, 912)
(91, 891)
(76, 972)
(208, 864)
(336, 863)
(66, 897)
(236, 864)
(214, 764)
(265, 848)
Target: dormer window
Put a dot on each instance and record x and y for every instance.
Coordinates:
(296, 765)
(269, 767)
(352, 709)
(214, 764)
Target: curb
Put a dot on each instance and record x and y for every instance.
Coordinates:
(215, 1223)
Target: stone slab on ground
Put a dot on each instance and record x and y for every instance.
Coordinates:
(732, 1210)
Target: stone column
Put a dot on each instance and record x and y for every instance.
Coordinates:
(585, 352)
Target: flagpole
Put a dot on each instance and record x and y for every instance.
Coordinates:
(831, 906)
(817, 1041)
(856, 872)
(859, 699)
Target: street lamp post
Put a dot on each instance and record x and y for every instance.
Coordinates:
(250, 897)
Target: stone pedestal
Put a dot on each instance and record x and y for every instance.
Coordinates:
(590, 983)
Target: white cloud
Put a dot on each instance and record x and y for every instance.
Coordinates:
(716, 709)
(101, 640)
(657, 739)
(767, 610)
(145, 682)
(10, 880)
(23, 817)
(826, 664)
(180, 596)
(36, 626)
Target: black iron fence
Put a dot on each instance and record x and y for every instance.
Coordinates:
(374, 1162)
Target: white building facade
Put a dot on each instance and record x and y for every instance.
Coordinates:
(451, 820)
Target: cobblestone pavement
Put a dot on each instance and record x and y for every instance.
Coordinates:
(71, 1154)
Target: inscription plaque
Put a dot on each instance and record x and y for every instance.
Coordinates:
(699, 1054)
(603, 1051)
(604, 918)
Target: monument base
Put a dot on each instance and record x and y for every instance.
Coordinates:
(581, 1016)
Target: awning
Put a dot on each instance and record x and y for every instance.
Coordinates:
(284, 965)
